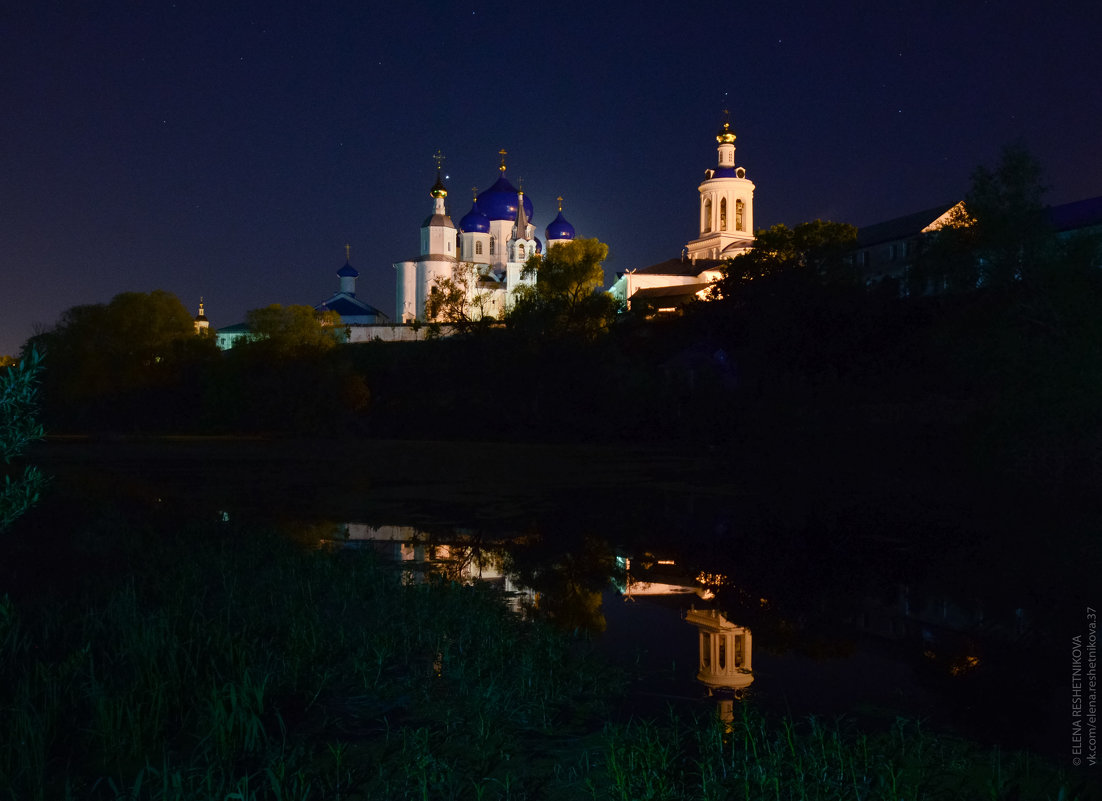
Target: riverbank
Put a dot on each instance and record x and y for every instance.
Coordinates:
(198, 661)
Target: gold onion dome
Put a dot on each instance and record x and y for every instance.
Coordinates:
(726, 135)
(438, 189)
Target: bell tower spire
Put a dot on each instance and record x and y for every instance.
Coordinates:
(726, 204)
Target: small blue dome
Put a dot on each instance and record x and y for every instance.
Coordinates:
(348, 271)
(499, 202)
(475, 222)
(724, 172)
(539, 245)
(560, 229)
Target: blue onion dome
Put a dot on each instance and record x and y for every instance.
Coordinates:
(499, 202)
(348, 271)
(560, 228)
(724, 172)
(539, 245)
(475, 222)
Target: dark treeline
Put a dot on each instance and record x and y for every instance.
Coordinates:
(1006, 372)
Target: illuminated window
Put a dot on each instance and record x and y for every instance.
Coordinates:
(740, 224)
(739, 649)
(723, 214)
(520, 252)
(478, 248)
(707, 216)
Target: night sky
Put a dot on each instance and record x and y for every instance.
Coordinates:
(232, 153)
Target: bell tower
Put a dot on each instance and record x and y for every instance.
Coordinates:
(726, 221)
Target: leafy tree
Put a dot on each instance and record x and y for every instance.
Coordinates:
(19, 427)
(1010, 232)
(291, 330)
(458, 300)
(567, 297)
(119, 362)
(812, 252)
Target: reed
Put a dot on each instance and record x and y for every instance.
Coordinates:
(228, 663)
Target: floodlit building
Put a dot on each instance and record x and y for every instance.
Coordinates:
(887, 250)
(486, 253)
(725, 652)
(725, 230)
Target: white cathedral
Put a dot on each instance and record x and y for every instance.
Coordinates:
(486, 253)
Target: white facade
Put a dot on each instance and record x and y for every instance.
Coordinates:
(436, 261)
(725, 225)
(726, 221)
(486, 253)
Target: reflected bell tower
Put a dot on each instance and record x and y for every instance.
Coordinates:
(725, 657)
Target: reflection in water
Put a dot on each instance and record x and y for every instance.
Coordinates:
(650, 576)
(561, 578)
(464, 558)
(858, 618)
(725, 658)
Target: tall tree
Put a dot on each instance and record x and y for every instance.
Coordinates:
(813, 253)
(103, 360)
(1011, 234)
(567, 297)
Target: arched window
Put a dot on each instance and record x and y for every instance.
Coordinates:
(520, 252)
(491, 247)
(739, 221)
(723, 214)
(707, 226)
(478, 248)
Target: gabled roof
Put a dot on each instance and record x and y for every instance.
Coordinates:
(900, 227)
(1080, 214)
(347, 306)
(678, 290)
(679, 267)
(1066, 217)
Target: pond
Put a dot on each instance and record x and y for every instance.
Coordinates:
(711, 586)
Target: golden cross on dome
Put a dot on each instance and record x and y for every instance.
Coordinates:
(503, 152)
(347, 252)
(560, 202)
(438, 157)
(474, 192)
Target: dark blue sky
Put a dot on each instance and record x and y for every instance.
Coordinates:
(233, 152)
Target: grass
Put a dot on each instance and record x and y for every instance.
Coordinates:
(213, 662)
